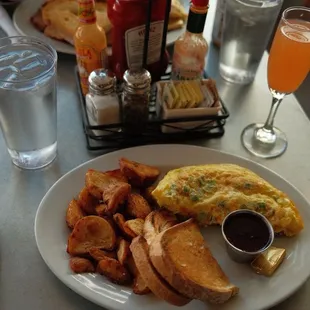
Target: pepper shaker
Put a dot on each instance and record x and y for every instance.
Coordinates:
(136, 98)
(102, 102)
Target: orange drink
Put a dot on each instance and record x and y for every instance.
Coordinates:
(289, 60)
(89, 41)
(288, 66)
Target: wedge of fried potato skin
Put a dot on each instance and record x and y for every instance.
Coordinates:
(139, 175)
(117, 173)
(114, 271)
(114, 195)
(81, 265)
(123, 251)
(87, 201)
(137, 206)
(74, 213)
(91, 232)
(139, 287)
(147, 195)
(119, 219)
(108, 188)
(135, 226)
(98, 254)
(156, 222)
(101, 209)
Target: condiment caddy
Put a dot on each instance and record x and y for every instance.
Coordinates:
(123, 108)
(158, 128)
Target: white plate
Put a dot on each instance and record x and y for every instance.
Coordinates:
(256, 292)
(24, 12)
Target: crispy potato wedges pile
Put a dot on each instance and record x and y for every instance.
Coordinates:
(111, 210)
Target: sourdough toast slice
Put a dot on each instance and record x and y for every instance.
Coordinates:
(182, 258)
(152, 279)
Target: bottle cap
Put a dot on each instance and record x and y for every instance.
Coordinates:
(200, 3)
(101, 82)
(137, 79)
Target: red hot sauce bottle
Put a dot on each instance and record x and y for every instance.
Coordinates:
(128, 18)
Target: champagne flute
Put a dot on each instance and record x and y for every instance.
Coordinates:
(288, 66)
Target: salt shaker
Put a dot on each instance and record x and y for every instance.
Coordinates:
(102, 102)
(136, 98)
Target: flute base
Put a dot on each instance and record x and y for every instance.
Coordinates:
(264, 144)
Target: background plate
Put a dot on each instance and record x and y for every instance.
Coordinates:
(24, 12)
(256, 292)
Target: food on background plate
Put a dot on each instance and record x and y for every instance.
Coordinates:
(146, 248)
(58, 19)
(209, 192)
(269, 261)
(181, 256)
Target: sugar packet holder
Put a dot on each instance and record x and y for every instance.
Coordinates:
(210, 105)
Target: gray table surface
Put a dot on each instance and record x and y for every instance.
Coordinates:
(25, 280)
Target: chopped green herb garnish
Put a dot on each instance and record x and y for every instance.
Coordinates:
(173, 186)
(200, 182)
(261, 206)
(211, 182)
(194, 197)
(185, 189)
(221, 204)
(247, 185)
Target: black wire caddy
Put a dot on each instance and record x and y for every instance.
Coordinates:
(115, 136)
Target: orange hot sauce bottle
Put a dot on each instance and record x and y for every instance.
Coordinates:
(90, 42)
(191, 47)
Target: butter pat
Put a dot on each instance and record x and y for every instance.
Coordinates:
(267, 262)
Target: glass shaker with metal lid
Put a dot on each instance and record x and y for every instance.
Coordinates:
(102, 101)
(136, 97)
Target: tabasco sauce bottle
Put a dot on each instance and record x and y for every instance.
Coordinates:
(190, 48)
(90, 42)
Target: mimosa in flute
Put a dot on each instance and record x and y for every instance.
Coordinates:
(288, 66)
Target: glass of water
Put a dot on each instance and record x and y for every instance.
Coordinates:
(247, 28)
(28, 109)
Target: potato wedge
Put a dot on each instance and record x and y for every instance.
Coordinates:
(136, 226)
(74, 213)
(87, 201)
(81, 265)
(101, 209)
(114, 271)
(139, 286)
(131, 265)
(156, 222)
(139, 175)
(147, 195)
(98, 254)
(110, 189)
(91, 232)
(117, 173)
(120, 222)
(137, 206)
(123, 251)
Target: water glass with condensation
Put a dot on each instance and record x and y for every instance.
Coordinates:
(28, 106)
(247, 28)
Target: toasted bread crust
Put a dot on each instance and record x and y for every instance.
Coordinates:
(156, 222)
(183, 281)
(152, 279)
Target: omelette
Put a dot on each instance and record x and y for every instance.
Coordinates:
(208, 193)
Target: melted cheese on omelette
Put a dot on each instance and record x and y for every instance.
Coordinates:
(209, 192)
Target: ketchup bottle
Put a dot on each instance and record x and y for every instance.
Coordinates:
(128, 18)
